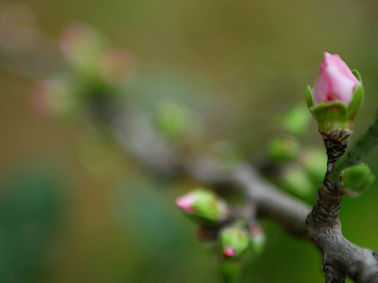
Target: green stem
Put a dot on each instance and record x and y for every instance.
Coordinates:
(230, 271)
(358, 151)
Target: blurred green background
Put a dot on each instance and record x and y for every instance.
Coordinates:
(75, 209)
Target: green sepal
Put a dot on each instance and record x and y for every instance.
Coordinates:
(331, 115)
(357, 99)
(357, 74)
(357, 179)
(309, 100)
(235, 237)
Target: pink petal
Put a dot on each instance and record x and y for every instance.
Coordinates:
(335, 81)
(185, 203)
(229, 251)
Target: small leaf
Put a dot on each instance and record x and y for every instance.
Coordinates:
(309, 100)
(357, 74)
(356, 103)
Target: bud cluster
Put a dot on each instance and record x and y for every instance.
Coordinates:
(94, 71)
(216, 221)
(293, 168)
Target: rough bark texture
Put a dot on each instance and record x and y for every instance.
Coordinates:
(340, 257)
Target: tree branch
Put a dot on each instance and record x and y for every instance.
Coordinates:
(358, 151)
(322, 227)
(340, 256)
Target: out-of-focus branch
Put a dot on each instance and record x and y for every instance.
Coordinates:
(24, 49)
(341, 257)
(140, 140)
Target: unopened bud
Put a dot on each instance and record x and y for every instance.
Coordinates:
(314, 162)
(82, 46)
(116, 65)
(234, 241)
(295, 120)
(203, 206)
(229, 251)
(295, 180)
(52, 97)
(283, 148)
(337, 95)
(173, 120)
(357, 179)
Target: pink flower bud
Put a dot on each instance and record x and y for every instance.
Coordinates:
(229, 251)
(115, 65)
(335, 81)
(185, 203)
(79, 38)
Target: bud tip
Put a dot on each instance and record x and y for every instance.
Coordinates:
(229, 251)
(185, 203)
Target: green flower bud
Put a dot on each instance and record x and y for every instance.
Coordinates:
(173, 120)
(357, 179)
(314, 162)
(283, 148)
(234, 241)
(54, 97)
(203, 206)
(296, 181)
(295, 121)
(82, 46)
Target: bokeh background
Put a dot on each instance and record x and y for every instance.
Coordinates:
(75, 208)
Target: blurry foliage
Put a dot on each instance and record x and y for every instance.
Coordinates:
(158, 237)
(31, 214)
